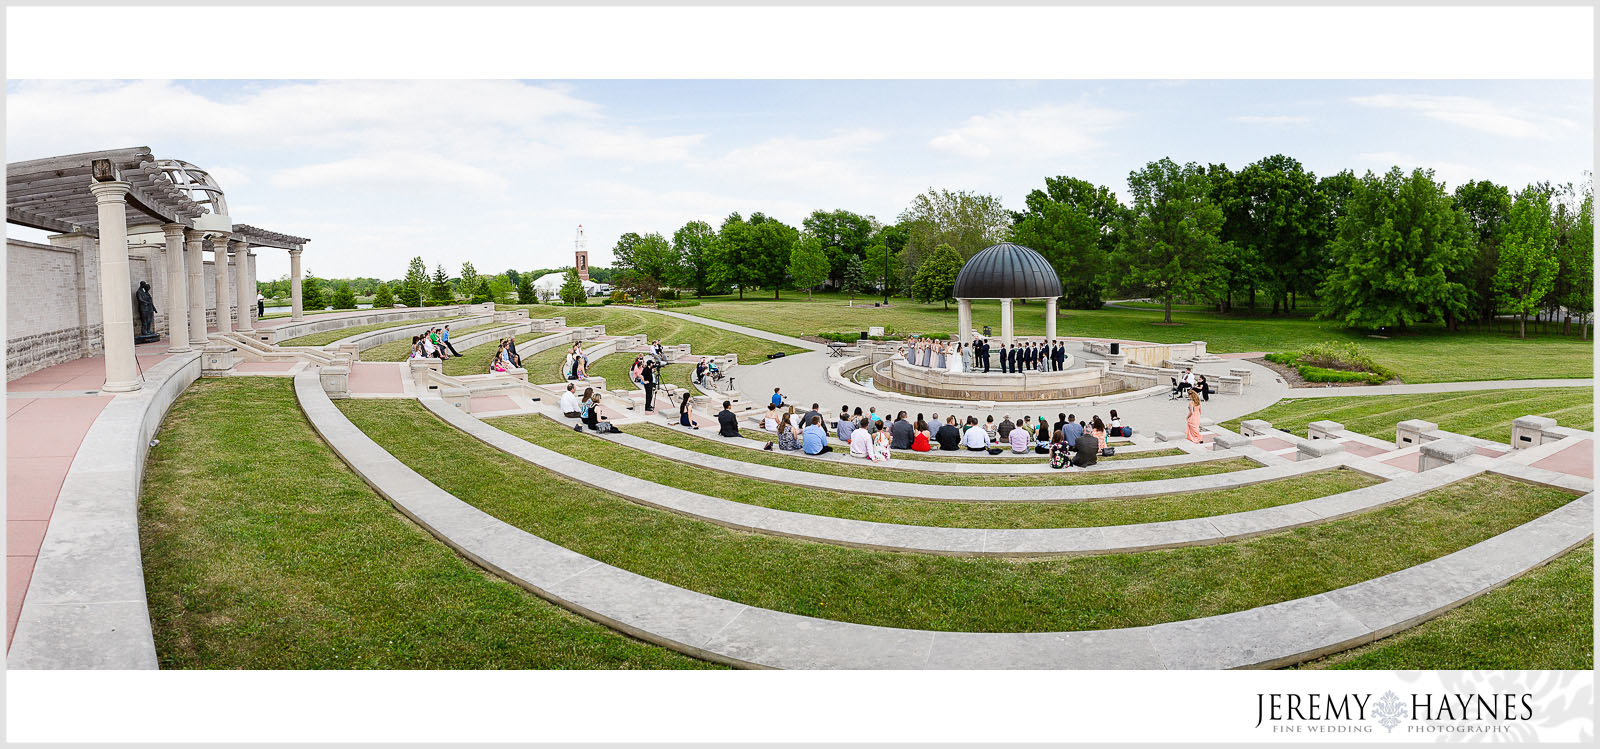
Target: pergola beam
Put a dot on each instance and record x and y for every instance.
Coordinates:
(45, 223)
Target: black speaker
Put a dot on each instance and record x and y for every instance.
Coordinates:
(778, 355)
(1116, 348)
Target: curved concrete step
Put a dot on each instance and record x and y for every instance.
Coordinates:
(724, 631)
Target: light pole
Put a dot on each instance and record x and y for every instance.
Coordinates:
(885, 275)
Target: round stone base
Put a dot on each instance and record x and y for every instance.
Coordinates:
(898, 375)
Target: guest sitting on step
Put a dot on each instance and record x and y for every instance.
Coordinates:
(686, 414)
(569, 402)
(727, 423)
(976, 439)
(949, 435)
(861, 440)
(814, 439)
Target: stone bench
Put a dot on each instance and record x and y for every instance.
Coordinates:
(1533, 431)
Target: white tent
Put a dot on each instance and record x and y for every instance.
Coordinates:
(553, 281)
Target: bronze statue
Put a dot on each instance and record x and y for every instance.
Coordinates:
(147, 315)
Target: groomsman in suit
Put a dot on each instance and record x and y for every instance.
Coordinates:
(1061, 355)
(983, 353)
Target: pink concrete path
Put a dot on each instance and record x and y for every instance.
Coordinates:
(376, 378)
(1577, 460)
(42, 438)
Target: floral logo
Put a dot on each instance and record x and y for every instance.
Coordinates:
(1389, 710)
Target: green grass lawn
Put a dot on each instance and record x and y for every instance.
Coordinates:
(1486, 414)
(779, 459)
(1427, 353)
(401, 350)
(476, 360)
(951, 593)
(262, 550)
(704, 339)
(941, 456)
(329, 336)
(1543, 620)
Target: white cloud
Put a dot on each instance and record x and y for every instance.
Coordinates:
(1045, 132)
(390, 171)
(1270, 119)
(1477, 114)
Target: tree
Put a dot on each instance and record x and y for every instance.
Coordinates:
(695, 245)
(482, 293)
(771, 241)
(343, 297)
(525, 294)
(842, 234)
(499, 287)
(439, 291)
(808, 263)
(732, 260)
(1578, 295)
(1396, 247)
(514, 277)
(1528, 266)
(311, 292)
(384, 299)
(1170, 232)
(882, 268)
(936, 277)
(1274, 215)
(855, 278)
(416, 279)
(1487, 207)
(1072, 223)
(572, 289)
(469, 279)
(646, 261)
(966, 221)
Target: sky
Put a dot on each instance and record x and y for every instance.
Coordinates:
(501, 172)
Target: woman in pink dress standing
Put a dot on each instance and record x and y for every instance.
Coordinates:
(1192, 427)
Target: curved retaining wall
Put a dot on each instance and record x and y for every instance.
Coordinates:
(86, 606)
(898, 375)
(310, 325)
(365, 341)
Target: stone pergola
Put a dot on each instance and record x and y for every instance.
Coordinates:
(95, 200)
(1006, 272)
(254, 237)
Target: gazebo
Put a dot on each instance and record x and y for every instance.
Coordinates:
(1007, 271)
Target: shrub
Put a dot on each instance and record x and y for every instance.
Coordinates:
(384, 298)
(343, 297)
(1332, 361)
(670, 305)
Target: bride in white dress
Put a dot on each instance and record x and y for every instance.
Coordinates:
(952, 358)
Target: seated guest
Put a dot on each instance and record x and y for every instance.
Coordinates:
(569, 402)
(1059, 454)
(991, 431)
(1084, 450)
(901, 433)
(811, 413)
(844, 415)
(686, 414)
(1005, 427)
(769, 422)
(591, 409)
(728, 423)
(1061, 421)
(872, 413)
(1071, 430)
(846, 426)
(777, 398)
(1204, 387)
(1117, 429)
(1098, 429)
(1021, 440)
(1042, 437)
(814, 440)
(861, 440)
(949, 435)
(700, 373)
(975, 438)
(789, 433)
(880, 443)
(923, 441)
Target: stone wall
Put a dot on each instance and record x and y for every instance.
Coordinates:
(53, 299)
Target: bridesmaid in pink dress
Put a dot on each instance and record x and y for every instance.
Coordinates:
(1192, 426)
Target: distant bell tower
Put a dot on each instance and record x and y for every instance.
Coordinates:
(581, 255)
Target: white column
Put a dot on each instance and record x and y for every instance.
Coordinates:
(295, 312)
(255, 287)
(246, 290)
(219, 263)
(177, 292)
(197, 288)
(964, 314)
(116, 301)
(1050, 318)
(1005, 321)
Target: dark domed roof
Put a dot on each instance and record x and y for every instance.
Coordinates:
(1007, 271)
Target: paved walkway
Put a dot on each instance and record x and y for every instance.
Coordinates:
(48, 412)
(1433, 387)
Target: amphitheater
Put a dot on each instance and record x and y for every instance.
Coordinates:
(964, 530)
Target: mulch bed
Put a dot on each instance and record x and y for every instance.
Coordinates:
(1292, 376)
